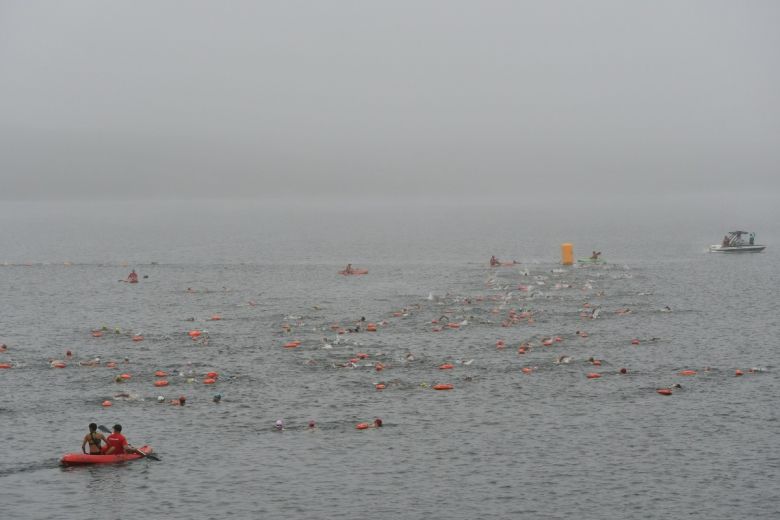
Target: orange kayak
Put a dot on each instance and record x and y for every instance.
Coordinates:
(70, 459)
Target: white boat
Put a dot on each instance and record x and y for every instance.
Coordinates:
(734, 242)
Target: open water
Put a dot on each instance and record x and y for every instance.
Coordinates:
(502, 444)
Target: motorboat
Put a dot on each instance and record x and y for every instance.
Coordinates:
(738, 242)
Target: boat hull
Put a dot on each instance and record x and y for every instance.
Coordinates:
(736, 249)
(76, 459)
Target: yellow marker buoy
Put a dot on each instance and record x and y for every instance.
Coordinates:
(567, 253)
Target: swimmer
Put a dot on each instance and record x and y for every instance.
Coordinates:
(312, 425)
(565, 360)
(666, 309)
(377, 423)
(279, 426)
(90, 362)
(160, 399)
(217, 398)
(409, 356)
(3, 347)
(132, 277)
(68, 354)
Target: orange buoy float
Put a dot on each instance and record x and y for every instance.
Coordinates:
(443, 386)
(446, 366)
(371, 327)
(125, 376)
(379, 367)
(380, 386)
(527, 370)
(547, 342)
(212, 375)
(596, 362)
(664, 391)
(593, 375)
(138, 337)
(161, 373)
(558, 339)
(58, 364)
(107, 403)
(454, 325)
(635, 341)
(5, 365)
(216, 317)
(362, 355)
(209, 381)
(96, 333)
(688, 373)
(436, 329)
(361, 426)
(161, 382)
(737, 373)
(111, 364)
(195, 333)
(291, 344)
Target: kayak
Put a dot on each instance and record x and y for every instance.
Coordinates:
(70, 459)
(354, 271)
(591, 261)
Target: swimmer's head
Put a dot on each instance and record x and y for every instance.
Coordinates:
(182, 400)
(160, 399)
(279, 424)
(312, 424)
(217, 398)
(378, 422)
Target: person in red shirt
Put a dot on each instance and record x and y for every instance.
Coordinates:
(117, 443)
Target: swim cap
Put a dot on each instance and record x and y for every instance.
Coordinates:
(160, 398)
(312, 424)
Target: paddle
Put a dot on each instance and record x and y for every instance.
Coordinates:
(136, 450)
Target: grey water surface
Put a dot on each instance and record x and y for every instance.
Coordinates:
(501, 444)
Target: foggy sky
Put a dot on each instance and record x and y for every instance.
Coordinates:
(156, 99)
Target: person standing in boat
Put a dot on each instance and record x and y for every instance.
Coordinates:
(752, 238)
(726, 241)
(93, 439)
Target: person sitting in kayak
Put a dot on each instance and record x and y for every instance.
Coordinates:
(132, 277)
(595, 255)
(93, 438)
(116, 443)
(494, 261)
(348, 269)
